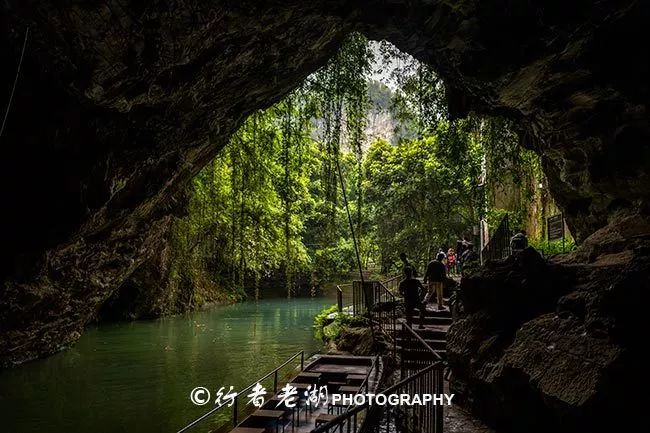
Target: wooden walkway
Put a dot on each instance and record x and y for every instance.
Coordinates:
(433, 329)
(338, 374)
(420, 349)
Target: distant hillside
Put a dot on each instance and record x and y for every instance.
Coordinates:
(382, 122)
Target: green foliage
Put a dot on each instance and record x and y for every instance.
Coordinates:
(550, 248)
(420, 196)
(516, 218)
(272, 202)
(330, 329)
(507, 161)
(320, 320)
(333, 261)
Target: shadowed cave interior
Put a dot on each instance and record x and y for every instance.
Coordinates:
(119, 104)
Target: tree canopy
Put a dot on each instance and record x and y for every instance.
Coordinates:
(271, 205)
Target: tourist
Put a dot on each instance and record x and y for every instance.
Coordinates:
(519, 242)
(469, 255)
(451, 261)
(411, 289)
(406, 264)
(460, 249)
(435, 277)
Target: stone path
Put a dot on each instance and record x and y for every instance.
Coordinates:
(459, 421)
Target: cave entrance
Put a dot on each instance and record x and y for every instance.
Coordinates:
(267, 215)
(119, 105)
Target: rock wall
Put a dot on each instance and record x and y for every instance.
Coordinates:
(557, 346)
(119, 103)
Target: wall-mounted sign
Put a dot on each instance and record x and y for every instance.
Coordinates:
(555, 227)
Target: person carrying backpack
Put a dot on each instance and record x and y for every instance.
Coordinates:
(519, 242)
(412, 289)
(436, 276)
(407, 264)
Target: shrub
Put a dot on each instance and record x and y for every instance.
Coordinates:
(330, 329)
(550, 248)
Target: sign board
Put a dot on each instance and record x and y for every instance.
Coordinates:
(555, 227)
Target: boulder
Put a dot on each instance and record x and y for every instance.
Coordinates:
(554, 346)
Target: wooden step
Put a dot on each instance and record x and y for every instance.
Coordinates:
(432, 320)
(437, 332)
(420, 355)
(434, 343)
(425, 359)
(435, 313)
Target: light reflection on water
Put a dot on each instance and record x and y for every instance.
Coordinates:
(136, 377)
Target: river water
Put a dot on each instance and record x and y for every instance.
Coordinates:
(137, 376)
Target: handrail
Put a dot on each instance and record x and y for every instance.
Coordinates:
(382, 284)
(365, 297)
(391, 281)
(348, 414)
(390, 317)
(420, 339)
(498, 247)
(339, 298)
(393, 278)
(274, 372)
(375, 360)
(415, 352)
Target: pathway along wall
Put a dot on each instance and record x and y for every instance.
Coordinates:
(119, 103)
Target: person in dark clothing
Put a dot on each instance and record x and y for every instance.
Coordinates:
(407, 264)
(460, 249)
(519, 242)
(412, 289)
(436, 276)
(469, 255)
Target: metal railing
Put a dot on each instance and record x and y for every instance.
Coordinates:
(339, 299)
(426, 418)
(234, 405)
(384, 313)
(361, 303)
(421, 370)
(499, 245)
(392, 284)
(375, 301)
(363, 388)
(415, 353)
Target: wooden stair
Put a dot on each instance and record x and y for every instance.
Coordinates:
(432, 329)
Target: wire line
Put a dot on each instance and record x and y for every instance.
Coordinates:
(13, 89)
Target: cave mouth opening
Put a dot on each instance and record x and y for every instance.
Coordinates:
(125, 118)
(267, 214)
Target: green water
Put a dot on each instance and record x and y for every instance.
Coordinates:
(137, 377)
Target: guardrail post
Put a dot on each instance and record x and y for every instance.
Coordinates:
(368, 288)
(439, 408)
(275, 381)
(302, 360)
(339, 299)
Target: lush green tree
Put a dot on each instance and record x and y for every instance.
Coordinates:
(271, 206)
(422, 196)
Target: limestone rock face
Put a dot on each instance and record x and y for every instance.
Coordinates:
(118, 104)
(564, 354)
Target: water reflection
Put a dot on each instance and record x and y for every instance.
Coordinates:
(137, 376)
